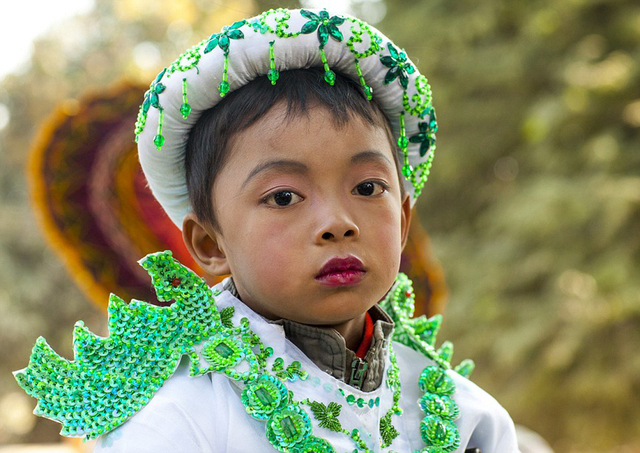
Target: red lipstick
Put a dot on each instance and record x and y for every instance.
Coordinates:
(337, 271)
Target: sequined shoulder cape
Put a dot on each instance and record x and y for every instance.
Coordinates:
(111, 378)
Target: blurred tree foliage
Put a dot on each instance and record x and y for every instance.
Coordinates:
(534, 203)
(533, 207)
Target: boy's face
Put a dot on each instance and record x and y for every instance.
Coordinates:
(295, 194)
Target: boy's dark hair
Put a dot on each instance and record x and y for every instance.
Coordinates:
(301, 89)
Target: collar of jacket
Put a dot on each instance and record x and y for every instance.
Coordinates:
(326, 348)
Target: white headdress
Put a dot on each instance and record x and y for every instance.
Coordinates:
(279, 40)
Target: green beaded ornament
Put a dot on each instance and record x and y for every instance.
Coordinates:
(273, 75)
(325, 25)
(185, 108)
(263, 396)
(288, 427)
(223, 351)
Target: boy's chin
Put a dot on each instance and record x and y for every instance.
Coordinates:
(331, 319)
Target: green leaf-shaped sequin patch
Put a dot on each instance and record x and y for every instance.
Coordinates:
(399, 67)
(223, 38)
(327, 415)
(326, 25)
(426, 137)
(112, 378)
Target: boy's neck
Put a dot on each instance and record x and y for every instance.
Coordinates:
(351, 331)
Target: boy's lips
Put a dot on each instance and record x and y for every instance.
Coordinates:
(341, 272)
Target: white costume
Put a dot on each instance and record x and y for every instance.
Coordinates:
(205, 414)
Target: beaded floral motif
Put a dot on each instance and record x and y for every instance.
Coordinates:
(399, 67)
(427, 135)
(346, 31)
(112, 378)
(151, 99)
(326, 26)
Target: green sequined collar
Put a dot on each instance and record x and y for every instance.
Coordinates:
(112, 378)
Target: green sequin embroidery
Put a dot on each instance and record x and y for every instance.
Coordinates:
(325, 25)
(223, 40)
(187, 60)
(421, 99)
(223, 351)
(327, 415)
(399, 67)
(151, 99)
(287, 427)
(119, 374)
(263, 396)
(426, 137)
(374, 39)
(111, 378)
(359, 401)
(185, 108)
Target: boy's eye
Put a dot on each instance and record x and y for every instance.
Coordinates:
(283, 198)
(369, 188)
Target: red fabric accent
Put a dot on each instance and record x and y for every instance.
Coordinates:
(366, 336)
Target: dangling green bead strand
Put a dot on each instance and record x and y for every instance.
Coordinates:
(366, 88)
(185, 108)
(158, 140)
(329, 75)
(223, 87)
(403, 143)
(273, 74)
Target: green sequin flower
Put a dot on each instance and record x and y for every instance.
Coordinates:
(439, 433)
(223, 351)
(151, 96)
(426, 137)
(399, 67)
(327, 415)
(151, 99)
(440, 405)
(288, 427)
(326, 26)
(223, 38)
(434, 379)
(263, 396)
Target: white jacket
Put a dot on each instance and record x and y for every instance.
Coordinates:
(205, 414)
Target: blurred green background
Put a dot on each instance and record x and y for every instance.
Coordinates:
(533, 206)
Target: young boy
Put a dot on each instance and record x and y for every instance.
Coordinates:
(290, 149)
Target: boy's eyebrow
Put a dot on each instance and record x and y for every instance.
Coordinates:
(292, 166)
(370, 156)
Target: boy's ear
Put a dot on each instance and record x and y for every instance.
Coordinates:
(205, 245)
(406, 219)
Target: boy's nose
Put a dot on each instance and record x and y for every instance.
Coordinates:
(337, 229)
